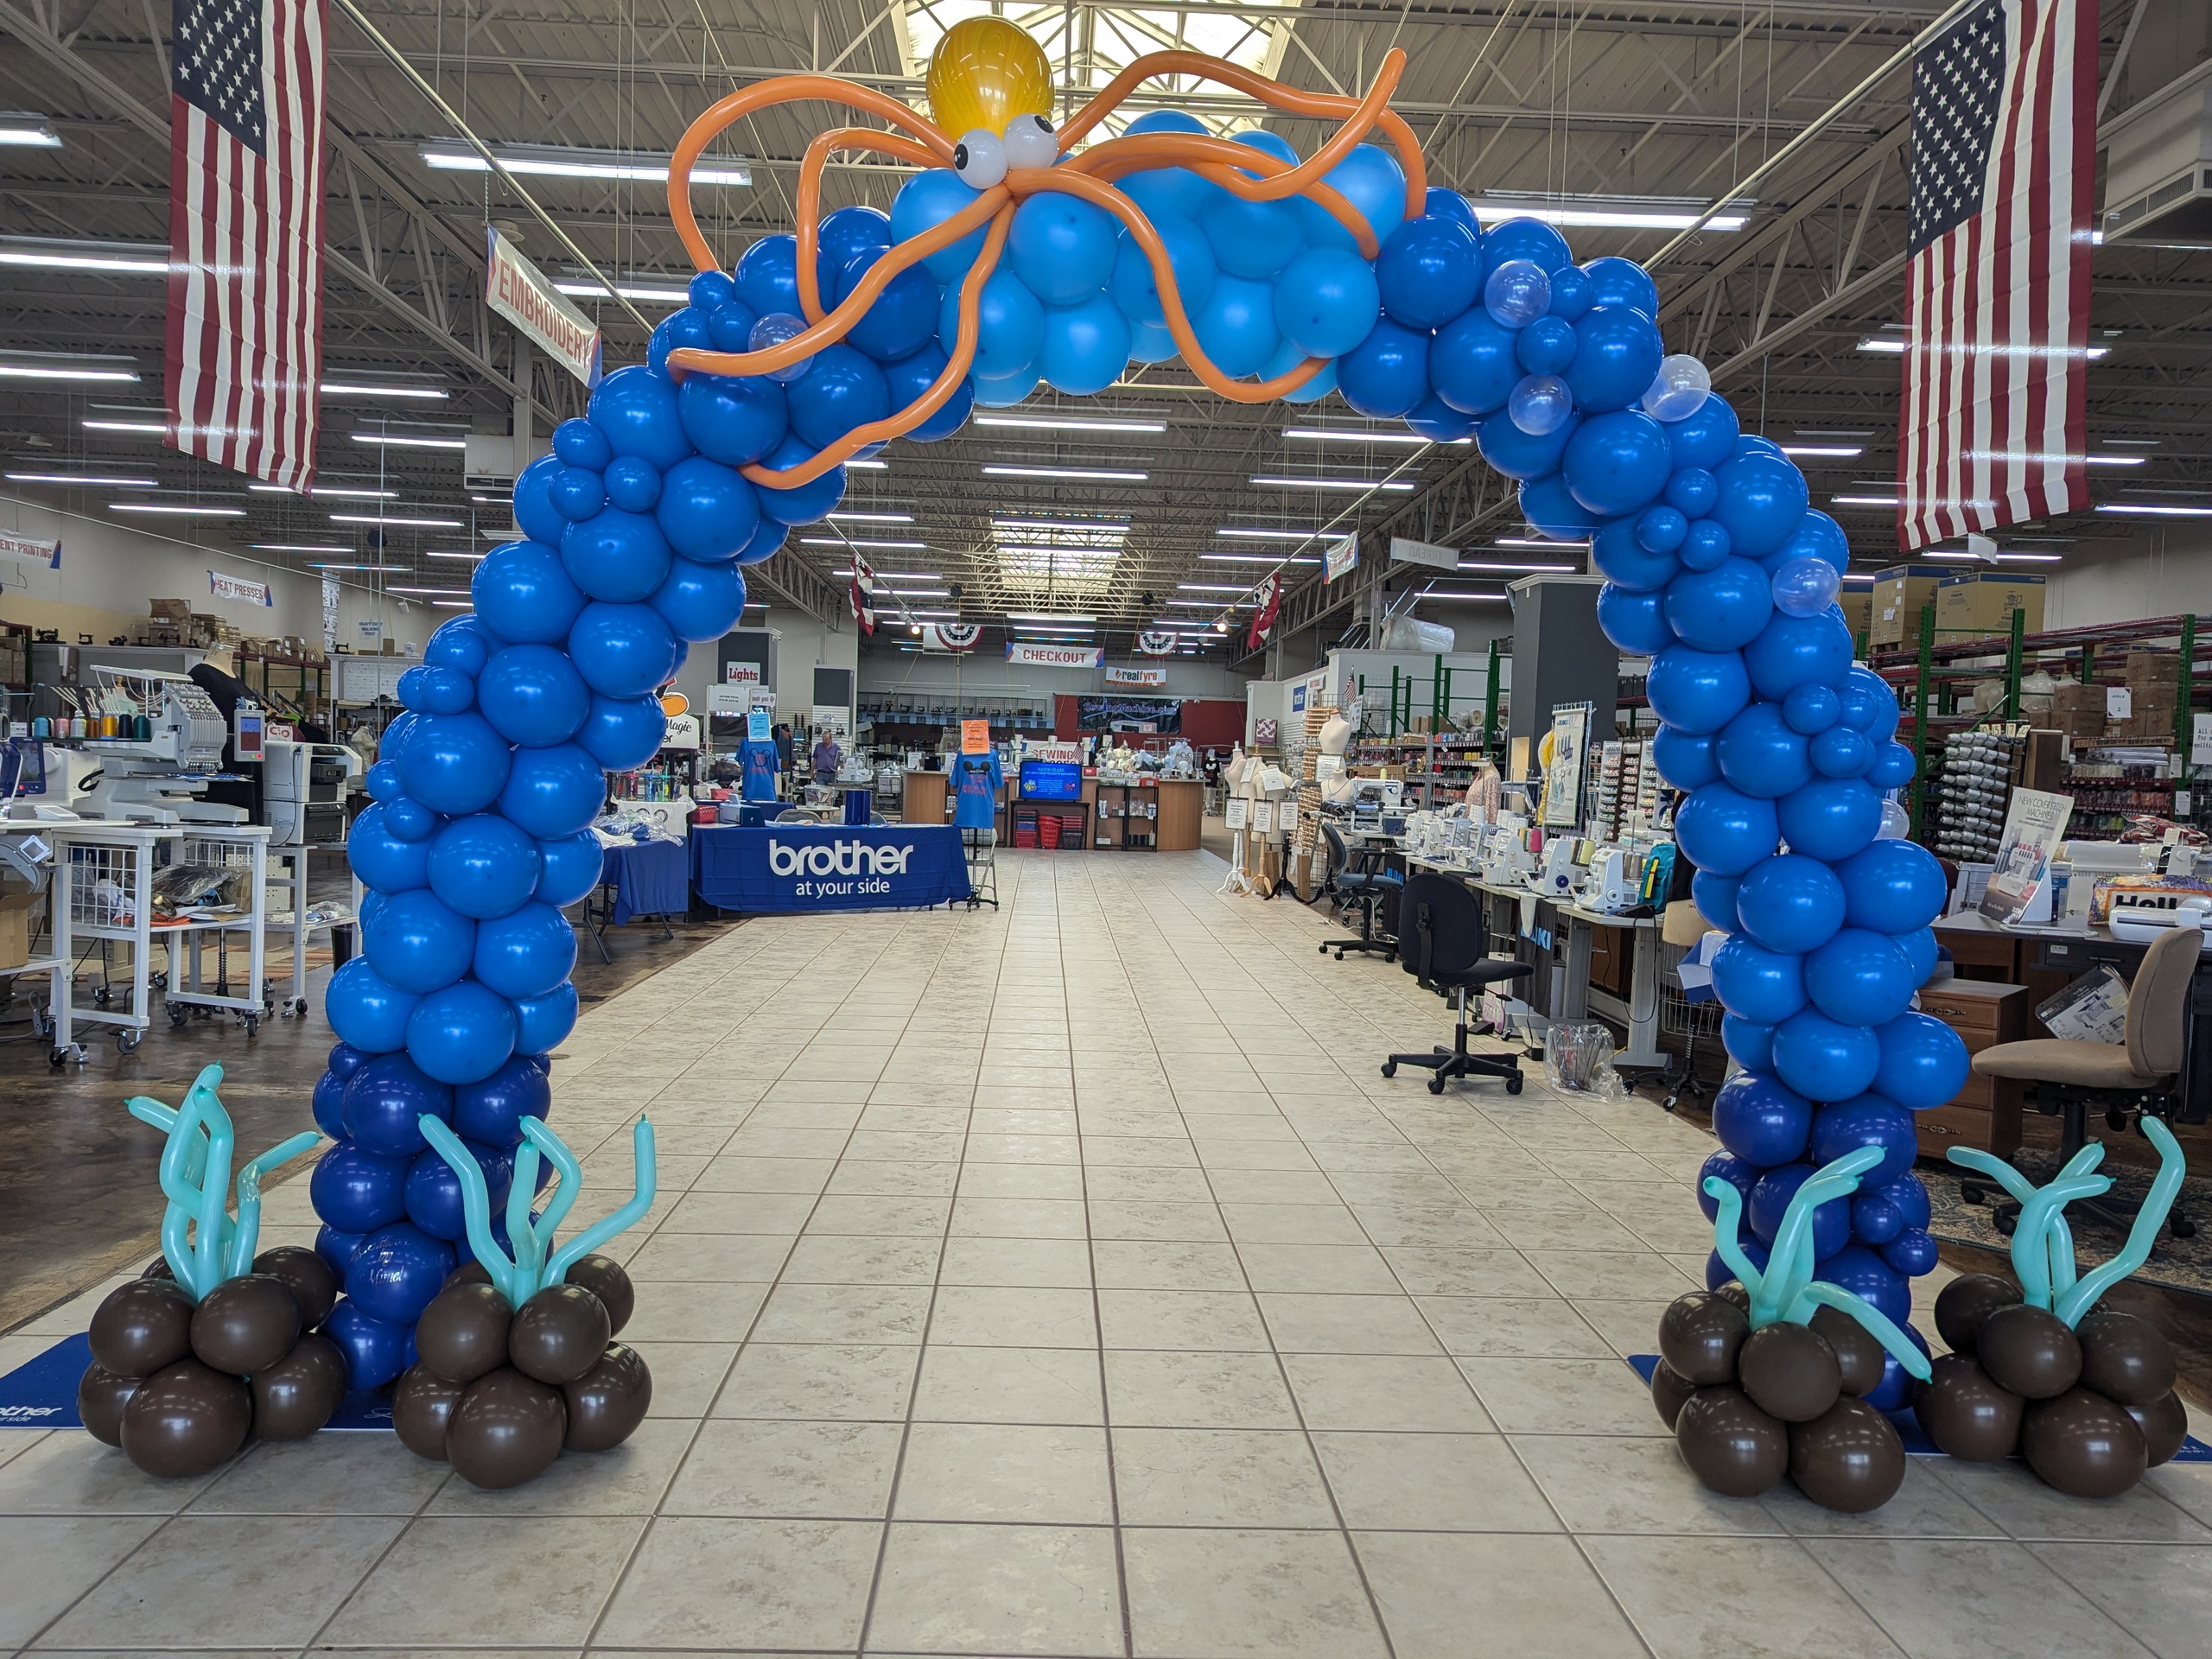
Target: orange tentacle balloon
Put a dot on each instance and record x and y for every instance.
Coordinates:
(809, 197)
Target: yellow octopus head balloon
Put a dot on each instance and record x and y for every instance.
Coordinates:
(984, 74)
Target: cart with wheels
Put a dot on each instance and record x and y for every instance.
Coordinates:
(241, 849)
(300, 929)
(103, 898)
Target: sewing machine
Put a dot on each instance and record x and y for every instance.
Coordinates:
(1616, 882)
(1565, 860)
(1506, 860)
(159, 779)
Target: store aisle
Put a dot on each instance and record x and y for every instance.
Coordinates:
(1067, 1281)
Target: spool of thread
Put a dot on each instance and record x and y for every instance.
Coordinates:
(41, 728)
(142, 728)
(107, 726)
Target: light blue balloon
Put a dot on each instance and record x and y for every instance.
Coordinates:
(1152, 342)
(1061, 247)
(1004, 394)
(1086, 346)
(925, 201)
(1165, 191)
(1326, 302)
(1371, 180)
(1010, 326)
(1253, 239)
(1190, 255)
(1237, 328)
(1289, 357)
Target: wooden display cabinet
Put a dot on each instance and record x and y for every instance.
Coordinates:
(1986, 1113)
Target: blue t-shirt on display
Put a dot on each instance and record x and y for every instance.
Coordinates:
(977, 780)
(759, 758)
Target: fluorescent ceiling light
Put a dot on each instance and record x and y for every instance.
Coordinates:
(403, 440)
(1095, 474)
(1256, 559)
(1544, 542)
(61, 372)
(871, 465)
(472, 557)
(894, 575)
(355, 389)
(453, 605)
(1209, 588)
(2149, 509)
(294, 547)
(1088, 527)
(1056, 423)
(1835, 432)
(1212, 605)
(934, 616)
(449, 591)
(1359, 435)
(2132, 444)
(86, 478)
(1252, 533)
(652, 293)
(1895, 344)
(1040, 616)
(336, 490)
(1833, 452)
(377, 518)
(1515, 564)
(1333, 483)
(155, 428)
(2050, 458)
(54, 253)
(1858, 577)
(847, 541)
(1863, 500)
(178, 509)
(575, 162)
(2010, 557)
(1435, 592)
(875, 518)
(1614, 212)
(28, 131)
(356, 567)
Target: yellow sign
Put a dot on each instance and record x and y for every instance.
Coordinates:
(975, 737)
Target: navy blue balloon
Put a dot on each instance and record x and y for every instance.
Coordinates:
(1719, 1273)
(798, 503)
(1546, 346)
(366, 1010)
(1756, 984)
(344, 1059)
(1697, 690)
(1761, 1121)
(1514, 453)
(1924, 1062)
(1911, 1196)
(1874, 1219)
(735, 420)
(1892, 767)
(416, 943)
(328, 1102)
(1831, 818)
(1722, 609)
(1812, 709)
(1763, 497)
(376, 1351)
(1524, 238)
(533, 506)
(1472, 363)
(1691, 490)
(1823, 1059)
(1770, 1200)
(1760, 755)
(491, 1109)
(1719, 829)
(533, 695)
(358, 1191)
(1713, 896)
(1795, 651)
(622, 734)
(454, 763)
(1840, 752)
(1858, 1270)
(523, 593)
(1707, 439)
(1429, 270)
(1386, 375)
(904, 317)
(1748, 1043)
(461, 1033)
(1911, 1253)
(433, 1191)
(1727, 1166)
(706, 510)
(579, 443)
(622, 650)
(1867, 1121)
(1706, 542)
(527, 954)
(1615, 358)
(396, 1272)
(1622, 556)
(554, 792)
(382, 859)
(1860, 978)
(336, 1248)
(1686, 760)
(543, 1022)
(767, 276)
(1790, 903)
(1616, 462)
(1892, 887)
(482, 866)
(636, 408)
(1635, 622)
(384, 1101)
(569, 868)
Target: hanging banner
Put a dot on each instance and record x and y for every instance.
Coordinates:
(1264, 617)
(30, 550)
(863, 593)
(1023, 655)
(237, 587)
(329, 612)
(1156, 642)
(519, 291)
(951, 636)
(1341, 557)
(1406, 552)
(1117, 674)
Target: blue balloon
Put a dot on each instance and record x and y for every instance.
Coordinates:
(533, 695)
(633, 484)
(1911, 1196)
(1386, 376)
(1760, 1121)
(482, 866)
(1163, 191)
(1760, 755)
(1770, 1201)
(1010, 325)
(396, 1272)
(1326, 302)
(767, 274)
(1061, 247)
(1622, 556)
(636, 409)
(433, 1191)
(1697, 690)
(1874, 1219)
(336, 1248)
(491, 1110)
(577, 494)
(383, 1104)
(617, 556)
(1811, 709)
(1236, 327)
(1869, 705)
(375, 1350)
(903, 317)
(1251, 239)
(464, 644)
(1790, 903)
(579, 443)
(1190, 255)
(1706, 543)
(1715, 896)
(1824, 1059)
(569, 868)
(554, 792)
(454, 763)
(1817, 536)
(1691, 490)
(1831, 818)
(543, 1022)
(729, 328)
(1525, 239)
(1892, 767)
(1546, 346)
(622, 734)
(910, 379)
(1428, 272)
(1450, 204)
(1086, 346)
(533, 509)
(328, 1103)
(522, 593)
(1004, 394)
(924, 202)
(358, 1191)
(1370, 179)
(1152, 342)
(687, 329)
(622, 650)
(1472, 364)
(843, 391)
(1573, 293)
(1860, 978)
(843, 234)
(1921, 949)
(1637, 623)
(1514, 453)
(1868, 1121)
(1755, 983)
(1749, 1044)
(407, 819)
(1660, 529)
(1435, 420)
(1723, 609)
(1924, 1062)
(527, 954)
(1840, 752)
(1892, 886)
(735, 420)
(416, 943)
(1706, 439)
(1723, 831)
(1552, 510)
(382, 859)
(462, 1034)
(1615, 281)
(1858, 1270)
(1719, 1273)
(1616, 462)
(366, 1010)
(1762, 499)
(1686, 760)
(1797, 650)
(766, 542)
(706, 510)
(1615, 358)
(1730, 1168)
(798, 504)
(432, 691)
(701, 602)
(1911, 1253)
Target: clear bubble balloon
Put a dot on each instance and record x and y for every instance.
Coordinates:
(1517, 293)
(1805, 587)
(1540, 404)
(1897, 823)
(773, 330)
(1679, 389)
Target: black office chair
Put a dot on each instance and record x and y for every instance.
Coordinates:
(1443, 944)
(1360, 878)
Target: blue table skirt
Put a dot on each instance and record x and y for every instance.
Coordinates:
(647, 877)
(786, 867)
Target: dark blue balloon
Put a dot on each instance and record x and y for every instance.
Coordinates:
(533, 508)
(1756, 984)
(1439, 422)
(344, 1059)
(1719, 1273)
(1795, 651)
(706, 510)
(1911, 1196)
(798, 504)
(1714, 897)
(1840, 752)
(523, 593)
(767, 276)
(843, 390)
(1524, 238)
(554, 792)
(1892, 767)
(904, 317)
(407, 819)
(329, 1101)
(358, 1191)
(579, 443)
(1721, 829)
(681, 330)
(482, 866)
(382, 859)
(384, 1102)
(367, 1012)
(1830, 818)
(454, 763)
(1615, 358)
(569, 868)
(1924, 1062)
(636, 408)
(336, 1248)
(396, 1272)
(527, 954)
(1691, 490)
(1730, 1168)
(1760, 1121)
(491, 1109)
(1874, 1219)
(433, 1191)
(701, 602)
(1867, 1121)
(544, 1021)
(1686, 758)
(1615, 281)
(375, 1350)
(1546, 346)
(1706, 439)
(1911, 1253)
(1697, 690)
(1386, 375)
(462, 1034)
(1811, 709)
(1660, 529)
(1762, 499)
(843, 234)
(1749, 1044)
(622, 650)
(1450, 204)
(1472, 363)
(416, 943)
(1706, 542)
(1635, 622)
(622, 734)
(1790, 902)
(1771, 1202)
(1892, 887)
(577, 494)
(1514, 453)
(1858, 1270)
(1616, 462)
(1722, 609)
(1860, 978)
(735, 420)
(1551, 511)
(1760, 755)
(1573, 293)
(1429, 271)
(1824, 1059)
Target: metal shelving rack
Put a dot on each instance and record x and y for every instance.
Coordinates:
(103, 895)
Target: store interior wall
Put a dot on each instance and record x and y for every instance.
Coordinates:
(2164, 572)
(992, 676)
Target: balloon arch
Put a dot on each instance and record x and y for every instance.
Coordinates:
(1005, 264)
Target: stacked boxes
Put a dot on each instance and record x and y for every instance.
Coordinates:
(1983, 602)
(2079, 711)
(2153, 681)
(1899, 594)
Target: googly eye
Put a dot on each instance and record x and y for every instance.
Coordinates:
(979, 159)
(1029, 141)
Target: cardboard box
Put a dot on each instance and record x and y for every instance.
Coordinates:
(1858, 606)
(1899, 594)
(2153, 669)
(1982, 602)
(171, 610)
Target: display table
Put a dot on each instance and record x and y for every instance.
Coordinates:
(803, 866)
(924, 797)
(647, 877)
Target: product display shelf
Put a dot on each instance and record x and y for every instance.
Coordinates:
(1133, 809)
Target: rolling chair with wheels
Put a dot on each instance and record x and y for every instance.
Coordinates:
(1443, 944)
(1359, 879)
(2128, 1080)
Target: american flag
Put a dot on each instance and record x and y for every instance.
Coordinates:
(1997, 285)
(245, 336)
(863, 593)
(1264, 612)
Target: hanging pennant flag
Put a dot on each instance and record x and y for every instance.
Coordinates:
(1158, 642)
(951, 636)
(1263, 618)
(863, 595)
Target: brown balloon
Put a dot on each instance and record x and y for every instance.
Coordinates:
(299, 1393)
(1962, 1305)
(246, 1323)
(1732, 1290)
(1731, 1445)
(185, 1420)
(2164, 1424)
(1848, 1460)
(2029, 1351)
(313, 1285)
(558, 1334)
(1859, 1356)
(463, 1333)
(158, 1268)
(607, 1403)
(101, 1396)
(1670, 1391)
(1966, 1414)
(471, 1272)
(2124, 1358)
(1790, 1372)
(2084, 1444)
(422, 1410)
(507, 1429)
(142, 1327)
(1699, 1335)
(606, 1279)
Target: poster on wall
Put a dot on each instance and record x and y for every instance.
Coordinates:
(1128, 715)
(329, 612)
(1563, 771)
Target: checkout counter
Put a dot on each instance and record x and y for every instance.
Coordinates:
(1177, 809)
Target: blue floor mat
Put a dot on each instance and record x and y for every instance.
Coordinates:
(42, 1392)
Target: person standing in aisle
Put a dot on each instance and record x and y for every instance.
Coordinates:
(828, 757)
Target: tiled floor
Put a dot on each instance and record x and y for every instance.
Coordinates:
(1066, 1281)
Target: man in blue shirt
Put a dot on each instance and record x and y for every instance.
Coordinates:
(976, 781)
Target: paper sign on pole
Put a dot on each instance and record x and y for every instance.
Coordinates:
(728, 700)
(756, 726)
(975, 737)
(521, 293)
(740, 673)
(1406, 552)
(1341, 556)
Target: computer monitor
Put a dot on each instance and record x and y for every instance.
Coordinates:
(1051, 780)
